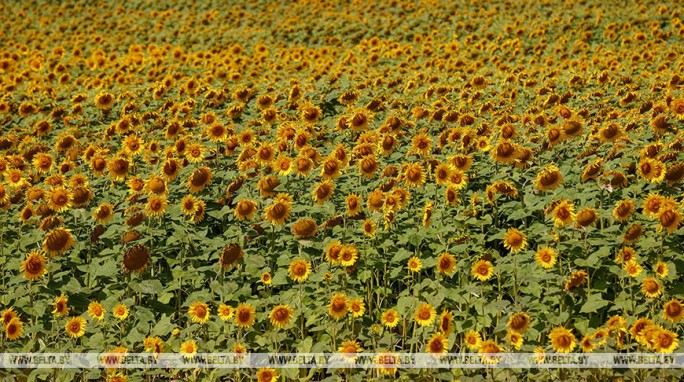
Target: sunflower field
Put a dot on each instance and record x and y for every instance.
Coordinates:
(322, 176)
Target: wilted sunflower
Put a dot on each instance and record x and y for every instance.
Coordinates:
(586, 217)
(230, 255)
(199, 312)
(299, 270)
(515, 240)
(281, 315)
(425, 315)
(75, 327)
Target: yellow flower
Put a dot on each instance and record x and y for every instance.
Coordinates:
(356, 307)
(188, 348)
(75, 327)
(438, 344)
(338, 306)
(96, 310)
(14, 329)
(425, 315)
(546, 257)
(414, 264)
(299, 270)
(473, 340)
(199, 312)
(390, 318)
(515, 240)
(120, 311)
(562, 340)
(482, 270)
(61, 307)
(225, 312)
(281, 315)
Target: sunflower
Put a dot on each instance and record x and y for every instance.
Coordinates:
(546, 257)
(515, 339)
(245, 315)
(217, 132)
(332, 251)
(199, 179)
(75, 327)
(331, 168)
(586, 344)
(519, 322)
(673, 310)
(43, 162)
(15, 178)
(414, 176)
(632, 268)
(390, 318)
(486, 351)
(473, 340)
(195, 152)
(623, 210)
(267, 375)
(156, 185)
(133, 145)
(421, 144)
(651, 170)
(103, 213)
(348, 349)
(188, 349)
(156, 205)
(199, 312)
(153, 344)
(57, 241)
(353, 203)
(368, 227)
(666, 341)
(446, 264)
(34, 267)
(304, 228)
(652, 204)
(515, 240)
(576, 280)
(120, 311)
(669, 219)
(59, 199)
(225, 312)
(414, 264)
(96, 310)
(348, 255)
(7, 315)
(356, 307)
(425, 315)
(427, 214)
(303, 166)
(632, 233)
(661, 269)
(650, 287)
(281, 315)
(14, 329)
(118, 168)
(299, 270)
(60, 305)
(266, 278)
(387, 362)
(586, 217)
(563, 213)
(338, 306)
(482, 270)
(504, 152)
(562, 340)
(549, 178)
(638, 327)
(323, 191)
(284, 165)
(230, 255)
(104, 100)
(437, 344)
